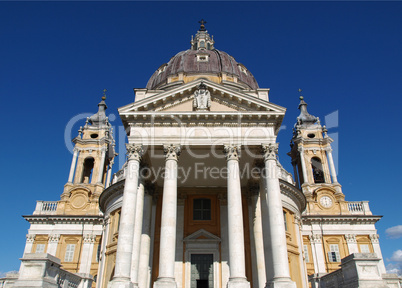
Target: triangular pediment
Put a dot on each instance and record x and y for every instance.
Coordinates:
(202, 235)
(181, 98)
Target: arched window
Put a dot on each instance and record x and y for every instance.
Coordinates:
(88, 167)
(202, 44)
(318, 173)
(208, 46)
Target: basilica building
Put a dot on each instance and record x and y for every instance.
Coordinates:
(202, 200)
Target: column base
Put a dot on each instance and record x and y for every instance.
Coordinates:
(121, 283)
(281, 283)
(238, 283)
(165, 282)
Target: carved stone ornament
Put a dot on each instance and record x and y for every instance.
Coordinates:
(172, 152)
(231, 152)
(270, 151)
(350, 238)
(374, 238)
(134, 151)
(54, 238)
(31, 238)
(202, 98)
(89, 238)
(316, 238)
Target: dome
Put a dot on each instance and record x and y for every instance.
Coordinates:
(202, 61)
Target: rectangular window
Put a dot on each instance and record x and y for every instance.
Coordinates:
(284, 221)
(202, 209)
(98, 252)
(364, 248)
(69, 256)
(306, 256)
(333, 255)
(40, 248)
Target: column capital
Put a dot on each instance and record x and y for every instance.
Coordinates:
(270, 151)
(89, 238)
(328, 149)
(231, 152)
(54, 238)
(315, 238)
(350, 238)
(172, 152)
(374, 238)
(134, 151)
(31, 238)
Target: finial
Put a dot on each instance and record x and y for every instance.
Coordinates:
(301, 97)
(202, 22)
(104, 94)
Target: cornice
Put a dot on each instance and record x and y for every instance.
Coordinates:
(340, 219)
(64, 219)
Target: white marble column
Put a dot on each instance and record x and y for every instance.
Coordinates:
(352, 243)
(109, 174)
(144, 268)
(377, 250)
(166, 277)
(121, 277)
(274, 223)
(318, 253)
(105, 237)
(331, 165)
(72, 168)
(137, 233)
(237, 263)
(101, 165)
(303, 165)
(29, 243)
(87, 253)
(52, 244)
(258, 239)
(299, 240)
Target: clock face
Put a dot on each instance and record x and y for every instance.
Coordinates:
(326, 201)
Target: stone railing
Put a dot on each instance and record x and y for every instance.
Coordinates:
(44, 270)
(45, 208)
(360, 208)
(357, 270)
(119, 175)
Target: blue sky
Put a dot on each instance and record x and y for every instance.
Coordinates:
(57, 57)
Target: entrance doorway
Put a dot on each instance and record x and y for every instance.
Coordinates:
(202, 271)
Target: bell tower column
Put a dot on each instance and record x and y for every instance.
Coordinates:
(278, 273)
(121, 278)
(73, 163)
(237, 266)
(167, 249)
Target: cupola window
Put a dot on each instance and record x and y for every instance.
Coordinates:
(202, 44)
(318, 173)
(202, 58)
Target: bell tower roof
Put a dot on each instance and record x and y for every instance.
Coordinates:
(100, 119)
(305, 118)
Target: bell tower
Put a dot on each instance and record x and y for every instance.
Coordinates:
(91, 165)
(313, 165)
